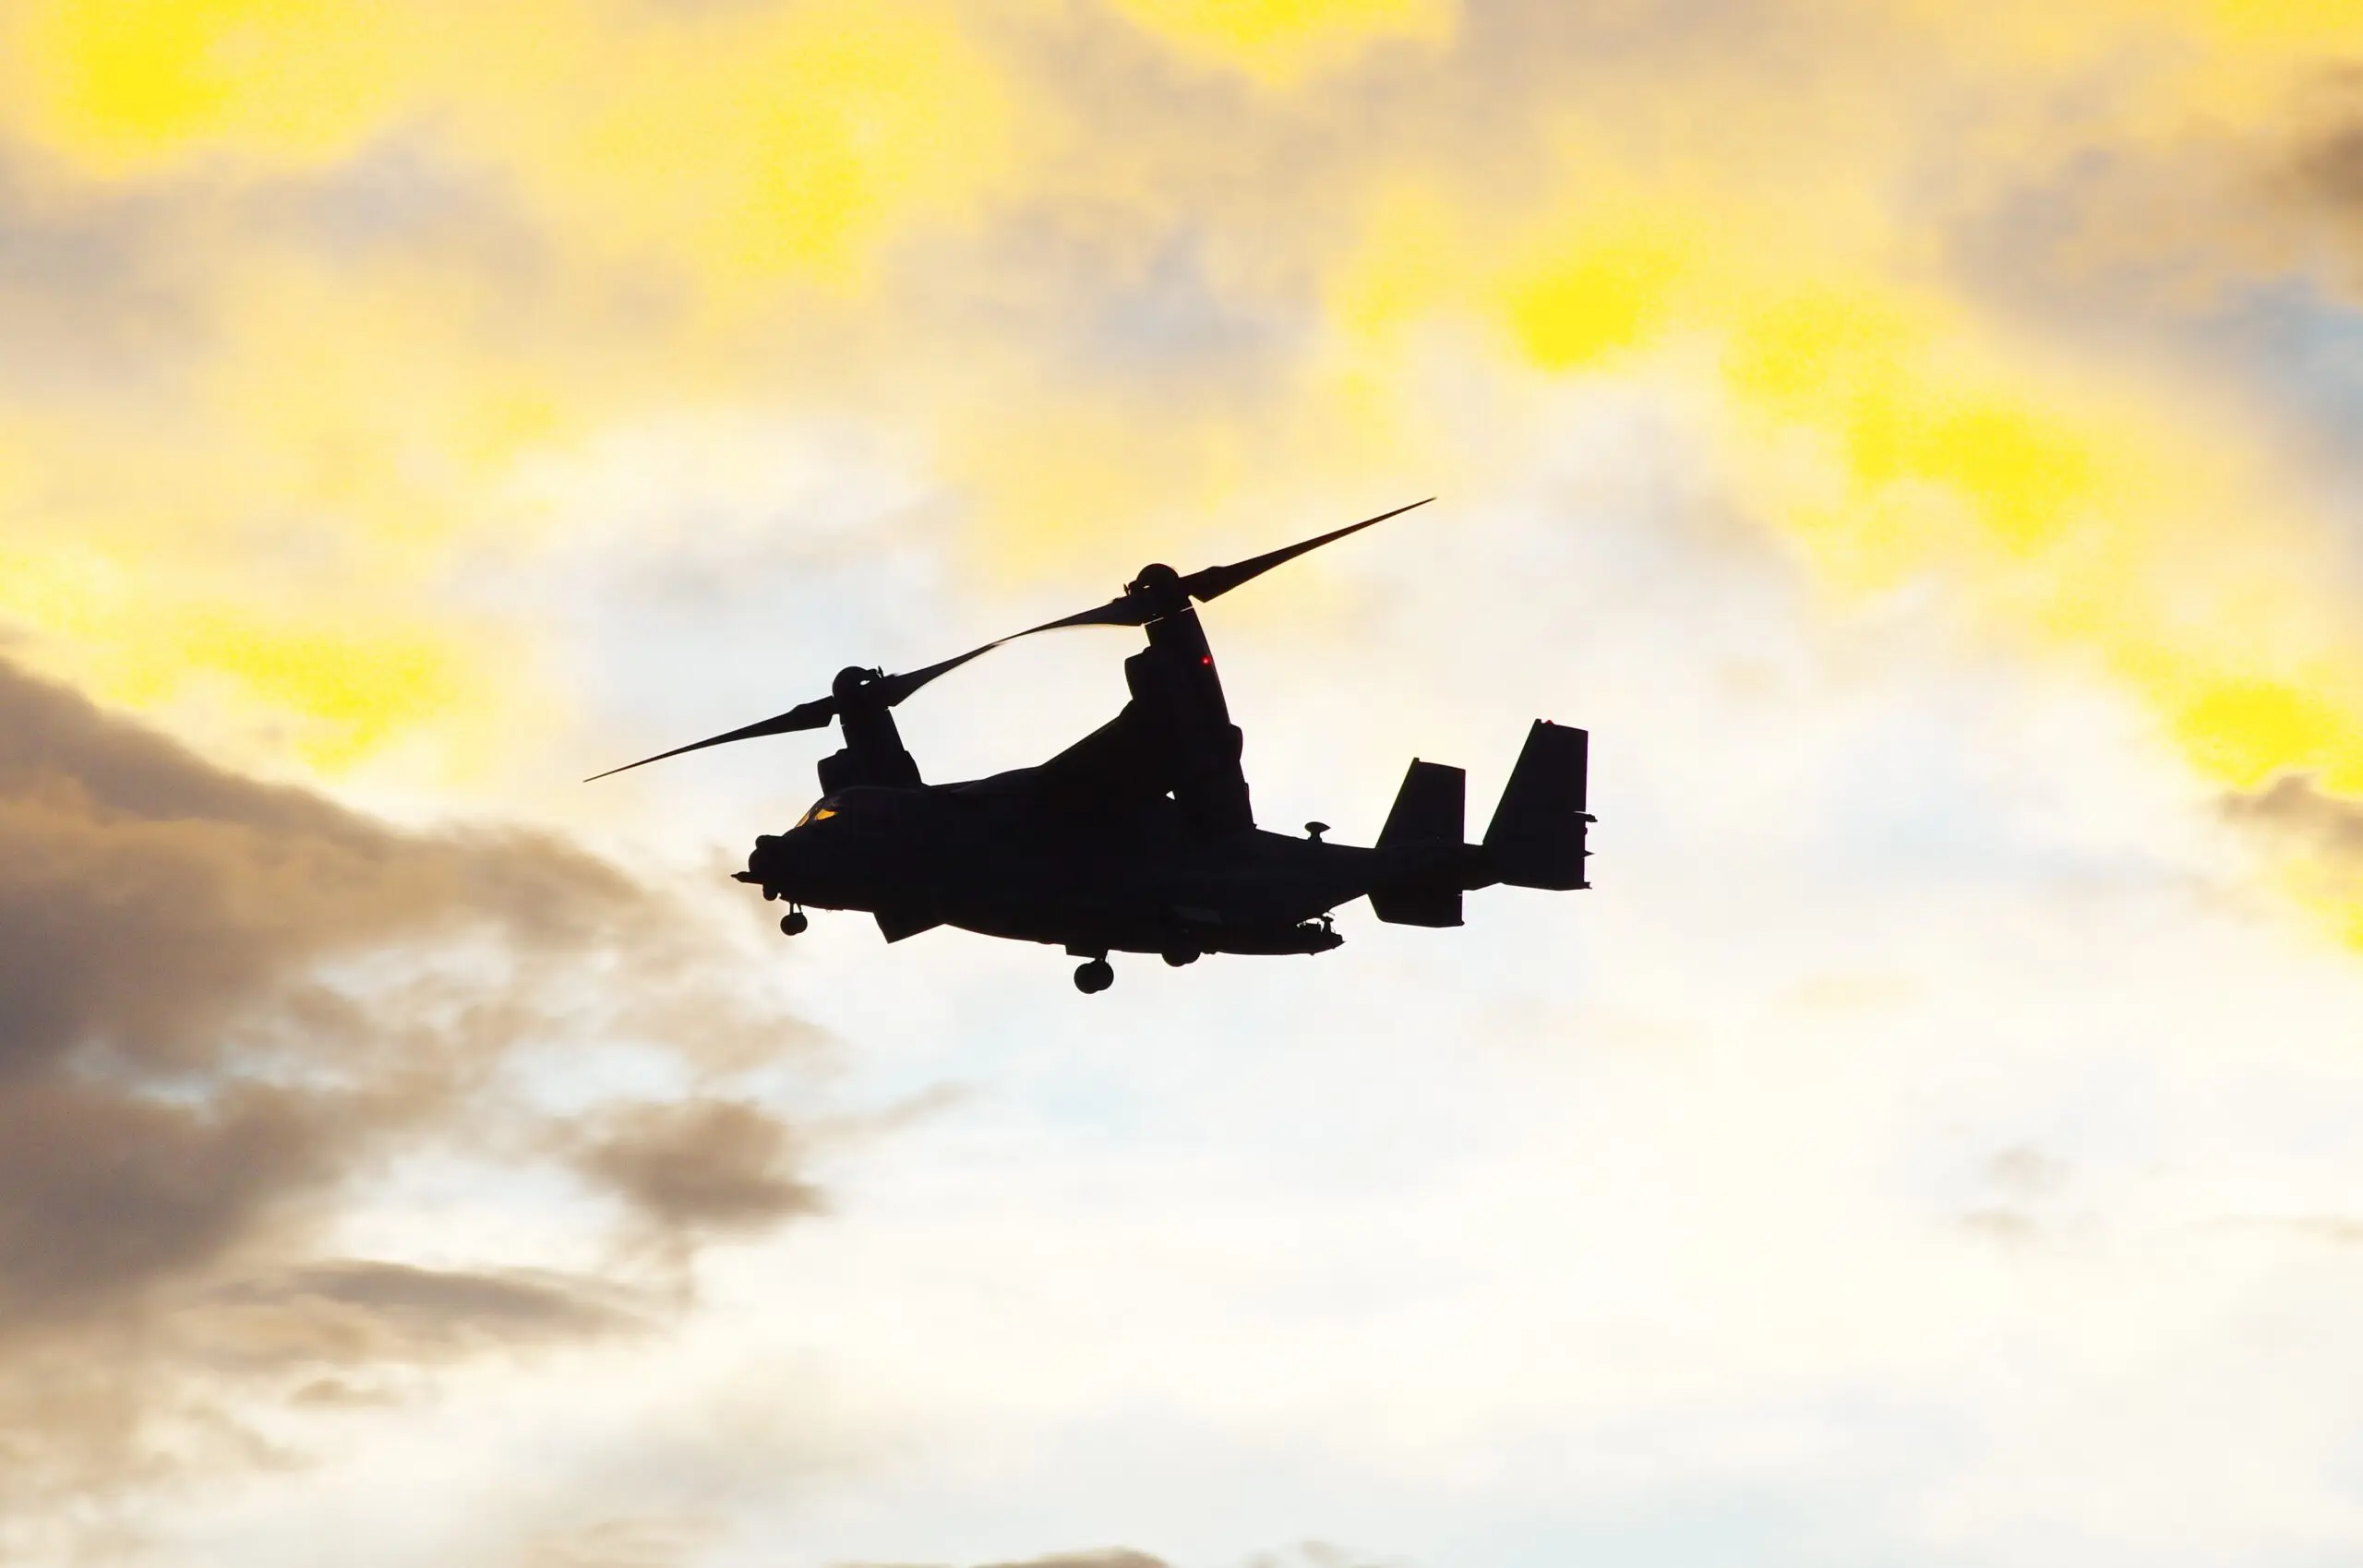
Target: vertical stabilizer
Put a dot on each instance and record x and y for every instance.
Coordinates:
(1432, 804)
(1536, 839)
(1430, 807)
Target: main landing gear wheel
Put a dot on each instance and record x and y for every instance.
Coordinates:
(1177, 957)
(1094, 977)
(794, 923)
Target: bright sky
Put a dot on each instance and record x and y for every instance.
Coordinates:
(1913, 436)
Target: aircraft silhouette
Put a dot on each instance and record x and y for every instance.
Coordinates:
(1138, 838)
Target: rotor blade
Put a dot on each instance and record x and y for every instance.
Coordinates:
(896, 687)
(814, 714)
(1215, 582)
(803, 716)
(1130, 610)
(1134, 609)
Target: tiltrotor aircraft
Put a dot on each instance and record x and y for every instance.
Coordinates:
(1138, 837)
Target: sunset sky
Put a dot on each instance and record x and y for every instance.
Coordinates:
(1917, 439)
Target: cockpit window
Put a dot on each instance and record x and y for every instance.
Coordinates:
(821, 812)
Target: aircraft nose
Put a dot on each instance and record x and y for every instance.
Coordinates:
(771, 864)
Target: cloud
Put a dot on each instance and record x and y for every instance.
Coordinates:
(1101, 1557)
(649, 1542)
(1118, 265)
(298, 292)
(2335, 1231)
(109, 1193)
(2026, 1173)
(349, 1312)
(2310, 844)
(173, 1075)
(1311, 1554)
(699, 1166)
(152, 897)
(2332, 167)
(2296, 806)
(223, 1005)
(338, 275)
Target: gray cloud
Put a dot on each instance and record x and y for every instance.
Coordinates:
(2336, 1230)
(698, 1165)
(352, 1311)
(1310, 1554)
(2293, 805)
(2327, 161)
(171, 1072)
(2026, 1173)
(223, 1002)
(87, 292)
(108, 292)
(1099, 1557)
(655, 1542)
(2332, 167)
(2317, 178)
(108, 1192)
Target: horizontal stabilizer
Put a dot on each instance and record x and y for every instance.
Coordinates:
(1536, 839)
(1417, 907)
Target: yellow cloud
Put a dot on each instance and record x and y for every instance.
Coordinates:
(275, 527)
(132, 85)
(1894, 432)
(694, 186)
(340, 679)
(1616, 292)
(1280, 42)
(2083, 511)
(726, 139)
(751, 144)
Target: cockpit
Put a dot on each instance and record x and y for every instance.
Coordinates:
(819, 811)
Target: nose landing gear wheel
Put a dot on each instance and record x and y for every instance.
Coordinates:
(794, 923)
(1178, 956)
(1094, 977)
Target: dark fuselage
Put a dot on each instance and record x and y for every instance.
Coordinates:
(1011, 856)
